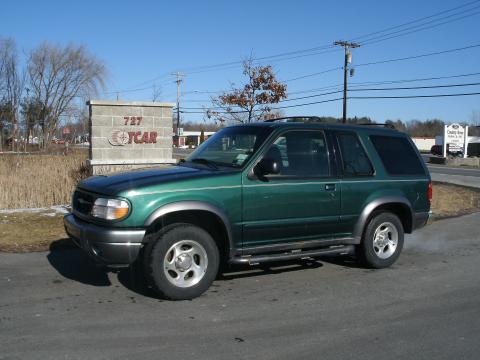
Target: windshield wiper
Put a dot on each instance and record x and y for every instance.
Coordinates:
(204, 161)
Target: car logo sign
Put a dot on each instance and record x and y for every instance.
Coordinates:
(118, 138)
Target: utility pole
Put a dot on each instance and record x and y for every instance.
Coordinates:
(348, 59)
(178, 81)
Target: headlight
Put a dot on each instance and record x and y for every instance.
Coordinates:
(110, 209)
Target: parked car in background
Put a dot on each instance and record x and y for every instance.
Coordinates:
(436, 150)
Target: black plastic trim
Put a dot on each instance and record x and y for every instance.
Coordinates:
(307, 244)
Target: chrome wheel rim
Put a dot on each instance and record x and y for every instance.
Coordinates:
(385, 240)
(185, 263)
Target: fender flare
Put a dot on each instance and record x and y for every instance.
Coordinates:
(371, 206)
(194, 205)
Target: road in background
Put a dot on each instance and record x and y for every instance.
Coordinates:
(59, 305)
(455, 175)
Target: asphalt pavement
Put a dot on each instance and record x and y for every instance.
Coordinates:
(455, 175)
(59, 305)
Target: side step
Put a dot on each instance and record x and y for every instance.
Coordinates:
(291, 255)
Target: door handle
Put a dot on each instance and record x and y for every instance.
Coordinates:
(330, 187)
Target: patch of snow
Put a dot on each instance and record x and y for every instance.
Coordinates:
(49, 214)
(58, 209)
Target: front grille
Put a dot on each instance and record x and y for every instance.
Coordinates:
(82, 202)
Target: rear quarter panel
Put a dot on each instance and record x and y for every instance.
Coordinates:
(357, 193)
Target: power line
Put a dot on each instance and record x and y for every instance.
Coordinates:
(352, 97)
(415, 21)
(379, 97)
(315, 50)
(388, 61)
(414, 96)
(421, 26)
(314, 74)
(366, 83)
(324, 47)
(384, 38)
(419, 56)
(417, 87)
(368, 89)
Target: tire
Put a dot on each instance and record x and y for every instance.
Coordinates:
(382, 241)
(181, 262)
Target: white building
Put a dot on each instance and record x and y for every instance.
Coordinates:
(191, 138)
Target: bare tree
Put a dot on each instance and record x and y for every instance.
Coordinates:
(58, 76)
(156, 92)
(12, 82)
(252, 101)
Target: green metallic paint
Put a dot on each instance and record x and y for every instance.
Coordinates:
(260, 213)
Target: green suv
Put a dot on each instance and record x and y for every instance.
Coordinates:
(277, 190)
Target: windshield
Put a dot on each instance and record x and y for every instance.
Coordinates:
(231, 146)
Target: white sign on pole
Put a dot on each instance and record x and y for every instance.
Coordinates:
(454, 137)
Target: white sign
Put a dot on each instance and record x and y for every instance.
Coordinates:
(455, 134)
(454, 137)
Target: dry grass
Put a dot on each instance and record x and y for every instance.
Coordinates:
(453, 200)
(30, 181)
(27, 232)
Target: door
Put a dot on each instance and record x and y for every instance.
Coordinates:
(302, 202)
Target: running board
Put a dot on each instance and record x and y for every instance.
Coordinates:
(291, 255)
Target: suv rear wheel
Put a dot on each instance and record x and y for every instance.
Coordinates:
(182, 262)
(382, 241)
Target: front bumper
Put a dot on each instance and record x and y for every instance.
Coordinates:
(113, 247)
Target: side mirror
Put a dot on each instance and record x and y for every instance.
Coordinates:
(267, 166)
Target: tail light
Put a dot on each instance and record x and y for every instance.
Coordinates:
(430, 193)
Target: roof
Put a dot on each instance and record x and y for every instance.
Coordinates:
(284, 122)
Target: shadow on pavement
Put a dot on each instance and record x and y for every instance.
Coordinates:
(245, 271)
(345, 261)
(73, 264)
(134, 280)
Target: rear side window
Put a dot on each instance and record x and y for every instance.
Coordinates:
(397, 155)
(354, 159)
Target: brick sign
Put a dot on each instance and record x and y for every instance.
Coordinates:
(129, 134)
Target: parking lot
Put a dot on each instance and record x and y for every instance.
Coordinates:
(57, 304)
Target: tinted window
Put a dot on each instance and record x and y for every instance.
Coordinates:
(398, 155)
(354, 159)
(231, 146)
(301, 153)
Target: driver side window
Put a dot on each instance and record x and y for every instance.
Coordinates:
(300, 154)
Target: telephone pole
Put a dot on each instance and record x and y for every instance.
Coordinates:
(178, 81)
(348, 59)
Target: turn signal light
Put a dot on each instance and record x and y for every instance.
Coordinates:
(110, 209)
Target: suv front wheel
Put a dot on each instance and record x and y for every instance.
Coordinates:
(182, 262)
(382, 241)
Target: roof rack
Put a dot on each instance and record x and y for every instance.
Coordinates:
(389, 126)
(294, 119)
(318, 119)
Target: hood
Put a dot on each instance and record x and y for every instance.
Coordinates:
(115, 183)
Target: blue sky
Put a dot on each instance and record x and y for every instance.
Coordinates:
(143, 40)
